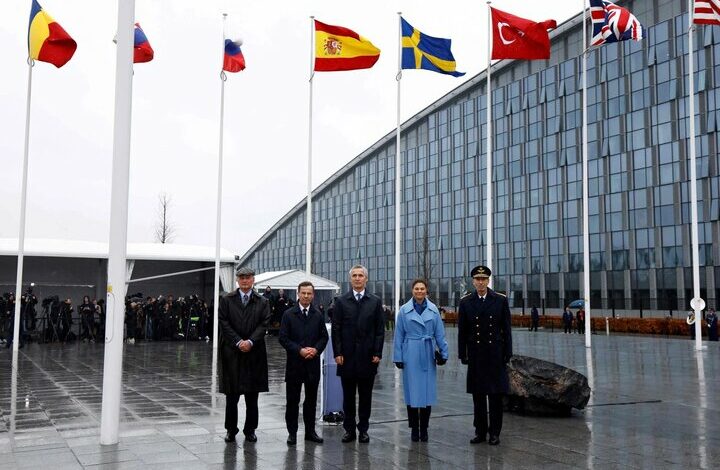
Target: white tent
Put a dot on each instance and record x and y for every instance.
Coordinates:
(289, 280)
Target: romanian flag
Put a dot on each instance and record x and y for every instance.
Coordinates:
(420, 51)
(338, 48)
(234, 60)
(142, 51)
(47, 40)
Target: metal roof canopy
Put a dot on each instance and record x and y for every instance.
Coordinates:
(43, 247)
(289, 280)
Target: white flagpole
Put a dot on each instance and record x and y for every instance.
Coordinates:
(117, 269)
(488, 152)
(308, 220)
(23, 209)
(398, 172)
(697, 303)
(218, 218)
(586, 219)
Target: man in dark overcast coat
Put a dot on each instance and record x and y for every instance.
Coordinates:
(243, 318)
(304, 336)
(358, 332)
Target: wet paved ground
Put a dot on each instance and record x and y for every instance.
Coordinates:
(655, 404)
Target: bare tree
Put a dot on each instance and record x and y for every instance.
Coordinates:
(164, 229)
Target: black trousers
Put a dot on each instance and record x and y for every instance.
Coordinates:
(481, 414)
(364, 390)
(251, 412)
(418, 417)
(292, 407)
(534, 325)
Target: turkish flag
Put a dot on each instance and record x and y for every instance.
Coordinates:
(518, 38)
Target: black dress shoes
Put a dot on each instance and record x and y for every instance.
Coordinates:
(313, 437)
(230, 437)
(250, 437)
(494, 440)
(477, 439)
(364, 438)
(423, 435)
(415, 435)
(292, 439)
(348, 437)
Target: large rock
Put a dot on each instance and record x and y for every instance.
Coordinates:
(544, 388)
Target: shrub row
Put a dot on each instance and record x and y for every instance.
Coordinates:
(646, 326)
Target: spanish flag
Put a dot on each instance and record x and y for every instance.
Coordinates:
(47, 40)
(338, 48)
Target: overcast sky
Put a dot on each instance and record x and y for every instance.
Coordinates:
(176, 109)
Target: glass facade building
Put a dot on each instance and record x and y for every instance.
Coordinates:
(639, 206)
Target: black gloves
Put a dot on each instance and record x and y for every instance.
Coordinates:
(399, 365)
(463, 361)
(440, 361)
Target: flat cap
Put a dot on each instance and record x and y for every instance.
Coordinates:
(244, 271)
(480, 271)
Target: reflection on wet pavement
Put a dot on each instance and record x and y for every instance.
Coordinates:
(649, 409)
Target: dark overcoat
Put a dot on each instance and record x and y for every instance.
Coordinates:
(242, 372)
(485, 341)
(358, 333)
(297, 332)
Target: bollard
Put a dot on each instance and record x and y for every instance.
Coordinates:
(607, 326)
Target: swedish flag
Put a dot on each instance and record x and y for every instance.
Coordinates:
(420, 51)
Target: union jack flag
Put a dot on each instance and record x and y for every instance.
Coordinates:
(612, 23)
(707, 12)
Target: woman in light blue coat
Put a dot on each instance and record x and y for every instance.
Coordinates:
(419, 332)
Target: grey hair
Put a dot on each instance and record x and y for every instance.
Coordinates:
(358, 266)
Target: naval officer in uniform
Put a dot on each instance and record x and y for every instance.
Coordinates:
(485, 346)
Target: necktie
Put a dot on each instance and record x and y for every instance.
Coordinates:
(305, 312)
(482, 299)
(245, 299)
(358, 296)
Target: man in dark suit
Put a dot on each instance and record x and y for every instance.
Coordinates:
(485, 344)
(358, 331)
(243, 317)
(304, 336)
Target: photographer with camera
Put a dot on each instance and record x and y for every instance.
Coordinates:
(150, 311)
(28, 303)
(87, 320)
(66, 310)
(7, 308)
(51, 319)
(11, 323)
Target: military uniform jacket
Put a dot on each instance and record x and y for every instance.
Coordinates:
(243, 372)
(485, 341)
(297, 332)
(358, 333)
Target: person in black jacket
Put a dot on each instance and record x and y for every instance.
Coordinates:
(243, 318)
(304, 336)
(485, 346)
(358, 332)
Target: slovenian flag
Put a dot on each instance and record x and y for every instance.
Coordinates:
(234, 60)
(47, 40)
(142, 51)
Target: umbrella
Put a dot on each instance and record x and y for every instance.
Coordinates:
(579, 303)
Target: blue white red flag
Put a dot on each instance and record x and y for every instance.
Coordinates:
(612, 23)
(233, 60)
(142, 51)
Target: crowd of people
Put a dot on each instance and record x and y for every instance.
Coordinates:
(146, 318)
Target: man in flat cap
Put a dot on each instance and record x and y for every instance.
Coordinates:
(243, 319)
(485, 344)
